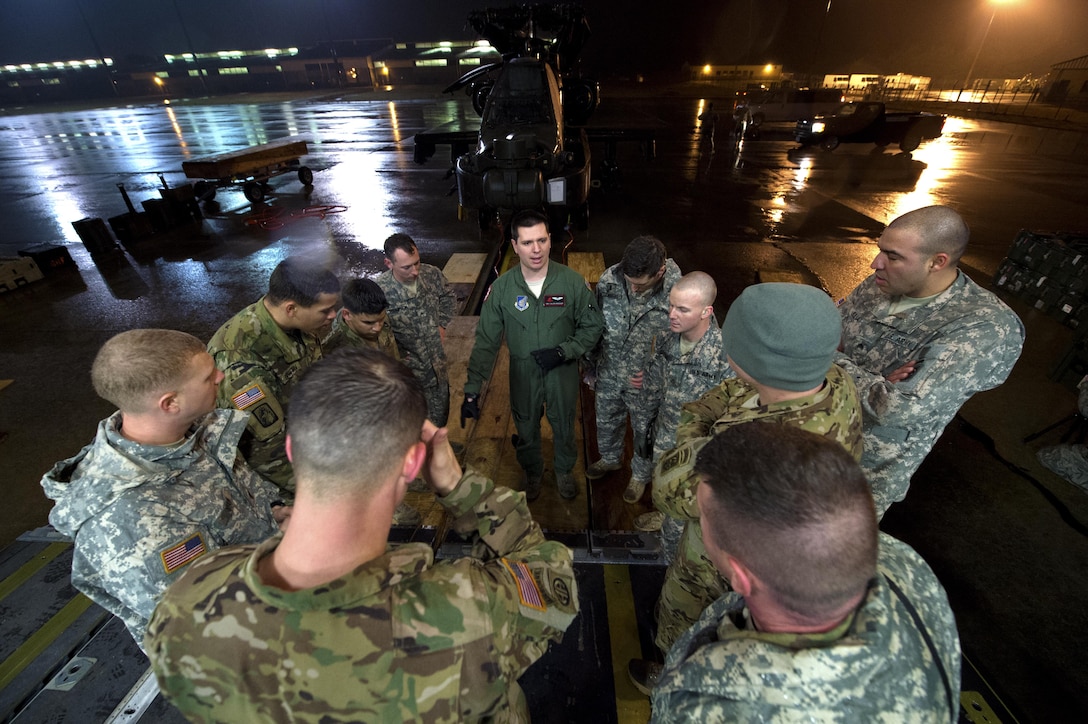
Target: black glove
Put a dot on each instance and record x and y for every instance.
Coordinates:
(470, 408)
(548, 359)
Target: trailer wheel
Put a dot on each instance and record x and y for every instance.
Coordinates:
(253, 191)
(830, 143)
(204, 191)
(306, 176)
(910, 142)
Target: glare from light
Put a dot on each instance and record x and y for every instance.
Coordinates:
(768, 68)
(706, 69)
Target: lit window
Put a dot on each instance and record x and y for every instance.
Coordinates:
(468, 61)
(438, 62)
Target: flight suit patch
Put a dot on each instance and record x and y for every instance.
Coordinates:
(555, 300)
(522, 303)
(248, 397)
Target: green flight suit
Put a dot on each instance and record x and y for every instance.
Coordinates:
(565, 315)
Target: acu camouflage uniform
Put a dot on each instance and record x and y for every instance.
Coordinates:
(341, 335)
(139, 514)
(416, 319)
(875, 666)
(631, 324)
(967, 341)
(400, 638)
(674, 380)
(261, 362)
(691, 581)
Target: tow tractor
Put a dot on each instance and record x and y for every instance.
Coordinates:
(249, 167)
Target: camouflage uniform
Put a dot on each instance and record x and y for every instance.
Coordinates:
(692, 582)
(676, 379)
(139, 514)
(631, 323)
(342, 336)
(416, 319)
(876, 666)
(400, 638)
(968, 341)
(260, 362)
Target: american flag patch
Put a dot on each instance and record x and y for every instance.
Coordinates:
(188, 550)
(528, 591)
(248, 397)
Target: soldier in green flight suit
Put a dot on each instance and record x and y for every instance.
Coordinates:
(550, 318)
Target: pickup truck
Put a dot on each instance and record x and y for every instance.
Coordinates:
(869, 123)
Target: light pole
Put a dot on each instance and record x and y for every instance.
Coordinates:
(971, 70)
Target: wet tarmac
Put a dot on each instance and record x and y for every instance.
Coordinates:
(1006, 537)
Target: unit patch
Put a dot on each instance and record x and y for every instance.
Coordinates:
(528, 590)
(555, 300)
(187, 551)
(248, 397)
(522, 303)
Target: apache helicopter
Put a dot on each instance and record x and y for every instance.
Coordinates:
(532, 149)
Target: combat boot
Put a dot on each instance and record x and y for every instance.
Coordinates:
(531, 483)
(568, 487)
(601, 468)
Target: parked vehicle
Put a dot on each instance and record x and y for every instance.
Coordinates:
(786, 104)
(869, 123)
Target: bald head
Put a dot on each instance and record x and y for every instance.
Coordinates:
(699, 284)
(691, 307)
(940, 229)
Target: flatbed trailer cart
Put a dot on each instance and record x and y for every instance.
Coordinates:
(251, 167)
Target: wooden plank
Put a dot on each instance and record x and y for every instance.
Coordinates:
(590, 264)
(464, 268)
(244, 161)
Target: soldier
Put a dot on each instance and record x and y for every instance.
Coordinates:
(828, 620)
(421, 305)
(780, 340)
(688, 361)
(326, 623)
(163, 483)
(634, 300)
(264, 348)
(362, 321)
(550, 319)
(919, 339)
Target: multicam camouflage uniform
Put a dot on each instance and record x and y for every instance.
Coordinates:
(401, 638)
(967, 341)
(631, 322)
(341, 335)
(876, 666)
(692, 582)
(261, 362)
(139, 514)
(674, 380)
(416, 318)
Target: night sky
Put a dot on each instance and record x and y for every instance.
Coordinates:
(937, 38)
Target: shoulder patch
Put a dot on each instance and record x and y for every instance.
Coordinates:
(248, 397)
(528, 590)
(182, 553)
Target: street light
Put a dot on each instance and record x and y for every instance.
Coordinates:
(971, 70)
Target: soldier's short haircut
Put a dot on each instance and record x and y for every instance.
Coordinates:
(642, 257)
(134, 366)
(401, 242)
(526, 219)
(353, 415)
(701, 283)
(795, 508)
(940, 228)
(363, 296)
(301, 281)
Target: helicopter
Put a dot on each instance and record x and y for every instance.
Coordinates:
(532, 149)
